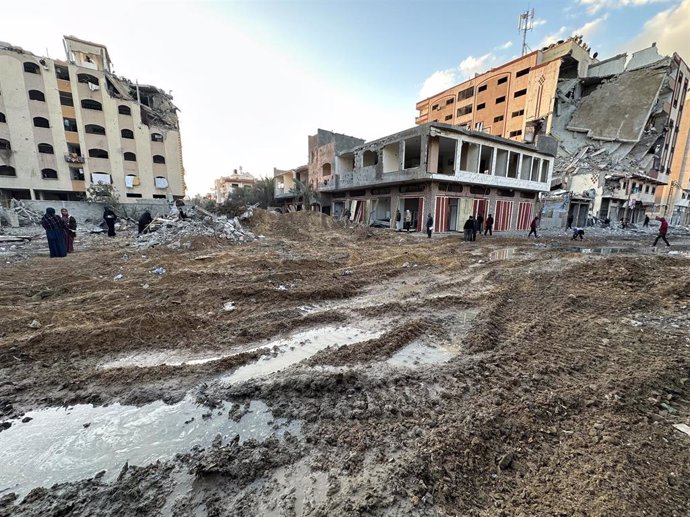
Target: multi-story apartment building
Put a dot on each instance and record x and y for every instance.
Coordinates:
(65, 125)
(226, 185)
(675, 198)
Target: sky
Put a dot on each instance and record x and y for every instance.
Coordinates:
(253, 79)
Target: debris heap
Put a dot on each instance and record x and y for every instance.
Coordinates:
(177, 233)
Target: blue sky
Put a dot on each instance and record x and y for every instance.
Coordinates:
(253, 78)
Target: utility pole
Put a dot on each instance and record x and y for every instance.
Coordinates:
(525, 24)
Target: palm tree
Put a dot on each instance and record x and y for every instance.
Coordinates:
(307, 194)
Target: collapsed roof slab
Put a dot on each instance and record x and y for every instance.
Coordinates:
(618, 110)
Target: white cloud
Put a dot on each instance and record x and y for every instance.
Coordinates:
(505, 46)
(553, 37)
(670, 30)
(474, 65)
(594, 6)
(539, 22)
(468, 67)
(438, 81)
(590, 28)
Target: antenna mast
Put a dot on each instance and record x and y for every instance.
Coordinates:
(525, 24)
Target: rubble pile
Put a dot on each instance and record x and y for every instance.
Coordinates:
(19, 215)
(177, 233)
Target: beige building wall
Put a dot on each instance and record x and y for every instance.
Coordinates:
(679, 179)
(19, 130)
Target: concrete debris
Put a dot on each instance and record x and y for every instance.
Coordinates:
(176, 233)
(683, 428)
(229, 306)
(35, 324)
(158, 271)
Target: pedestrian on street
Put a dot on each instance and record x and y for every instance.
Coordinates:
(398, 224)
(480, 223)
(55, 232)
(646, 221)
(489, 225)
(533, 228)
(662, 232)
(70, 230)
(429, 225)
(578, 232)
(474, 230)
(144, 222)
(109, 217)
(408, 220)
(469, 228)
(570, 222)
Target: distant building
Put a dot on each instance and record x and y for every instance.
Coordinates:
(66, 125)
(226, 185)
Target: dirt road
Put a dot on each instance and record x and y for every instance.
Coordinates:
(326, 370)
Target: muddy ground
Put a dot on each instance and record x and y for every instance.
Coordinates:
(403, 376)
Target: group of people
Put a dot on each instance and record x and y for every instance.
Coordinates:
(60, 231)
(407, 224)
(475, 225)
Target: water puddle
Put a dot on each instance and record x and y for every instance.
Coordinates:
(61, 445)
(600, 251)
(504, 254)
(417, 353)
(297, 348)
(151, 359)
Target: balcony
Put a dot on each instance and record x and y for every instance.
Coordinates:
(74, 158)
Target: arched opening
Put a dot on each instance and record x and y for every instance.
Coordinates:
(45, 149)
(124, 110)
(127, 133)
(41, 122)
(87, 78)
(90, 104)
(130, 157)
(5, 145)
(98, 153)
(326, 169)
(2, 118)
(49, 174)
(156, 137)
(6, 170)
(32, 68)
(36, 95)
(94, 129)
(157, 158)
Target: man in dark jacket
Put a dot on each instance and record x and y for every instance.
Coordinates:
(144, 222)
(480, 223)
(55, 232)
(489, 225)
(109, 217)
(469, 228)
(429, 224)
(662, 232)
(533, 228)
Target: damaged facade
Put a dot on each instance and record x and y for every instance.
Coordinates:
(226, 185)
(65, 125)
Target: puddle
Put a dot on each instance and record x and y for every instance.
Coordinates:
(55, 446)
(417, 353)
(151, 359)
(297, 348)
(600, 251)
(504, 254)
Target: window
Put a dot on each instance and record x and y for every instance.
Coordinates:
(646, 189)
(98, 153)
(132, 194)
(466, 94)
(31, 68)
(653, 190)
(130, 157)
(124, 110)
(156, 137)
(481, 106)
(91, 105)
(87, 79)
(500, 100)
(49, 174)
(518, 113)
(513, 162)
(515, 133)
(465, 110)
(76, 174)
(94, 129)
(127, 133)
(6, 170)
(370, 158)
(481, 88)
(486, 158)
(70, 124)
(41, 122)
(157, 158)
(45, 149)
(2, 118)
(498, 119)
(434, 107)
(448, 117)
(522, 72)
(502, 80)
(66, 99)
(520, 93)
(479, 126)
(36, 95)
(5, 145)
(61, 72)
(450, 101)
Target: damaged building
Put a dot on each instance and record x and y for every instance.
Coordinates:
(66, 125)
(224, 186)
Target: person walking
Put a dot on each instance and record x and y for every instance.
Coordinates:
(109, 217)
(570, 222)
(480, 223)
(646, 221)
(578, 232)
(408, 220)
(533, 228)
(70, 229)
(429, 225)
(663, 228)
(474, 229)
(398, 224)
(55, 232)
(144, 222)
(469, 228)
(489, 225)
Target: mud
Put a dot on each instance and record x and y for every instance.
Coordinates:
(396, 375)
